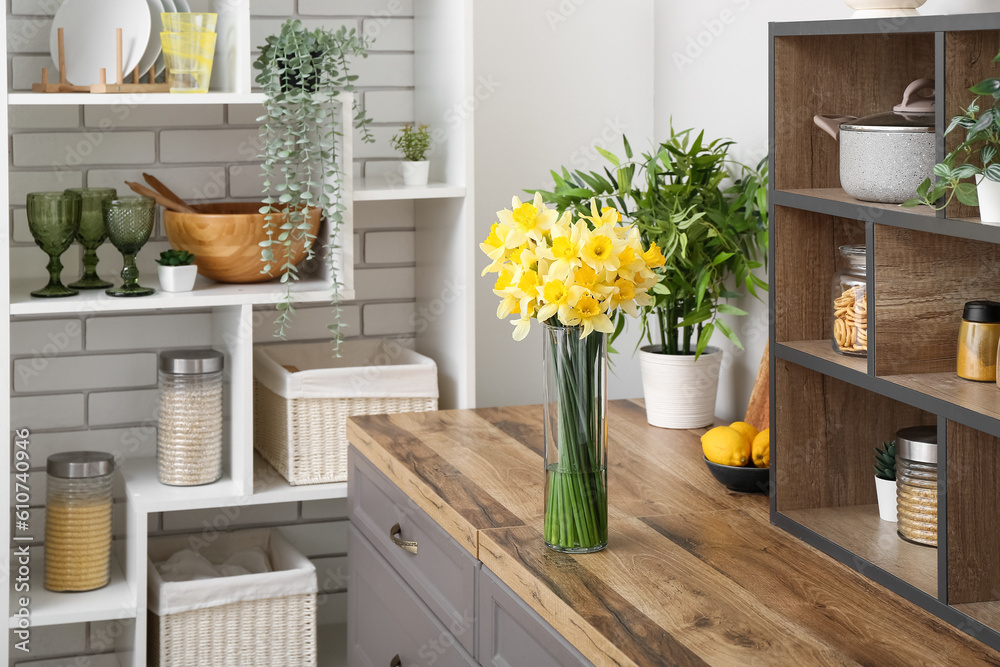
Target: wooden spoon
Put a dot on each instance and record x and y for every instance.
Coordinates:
(160, 199)
(155, 183)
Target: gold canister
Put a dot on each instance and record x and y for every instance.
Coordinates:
(978, 338)
(78, 521)
(917, 484)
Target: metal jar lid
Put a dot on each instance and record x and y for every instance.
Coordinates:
(987, 312)
(917, 443)
(77, 465)
(191, 362)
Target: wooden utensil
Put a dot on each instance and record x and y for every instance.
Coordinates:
(168, 204)
(157, 185)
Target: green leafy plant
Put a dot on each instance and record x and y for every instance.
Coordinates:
(974, 156)
(412, 141)
(885, 461)
(175, 258)
(302, 72)
(713, 237)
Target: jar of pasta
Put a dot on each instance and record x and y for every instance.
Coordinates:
(189, 431)
(916, 484)
(78, 521)
(850, 302)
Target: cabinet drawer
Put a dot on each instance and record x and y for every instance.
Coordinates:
(512, 633)
(442, 573)
(385, 618)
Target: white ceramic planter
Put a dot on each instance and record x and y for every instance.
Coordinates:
(989, 200)
(886, 491)
(868, 9)
(415, 173)
(177, 278)
(680, 392)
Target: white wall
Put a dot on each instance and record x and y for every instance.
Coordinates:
(568, 74)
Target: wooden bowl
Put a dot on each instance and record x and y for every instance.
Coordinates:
(741, 479)
(225, 240)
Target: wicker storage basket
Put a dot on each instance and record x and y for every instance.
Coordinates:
(303, 397)
(252, 620)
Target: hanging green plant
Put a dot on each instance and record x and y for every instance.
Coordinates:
(302, 72)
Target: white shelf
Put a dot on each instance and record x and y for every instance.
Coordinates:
(270, 487)
(138, 99)
(144, 490)
(206, 294)
(47, 608)
(381, 192)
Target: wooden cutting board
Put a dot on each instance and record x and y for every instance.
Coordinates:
(759, 408)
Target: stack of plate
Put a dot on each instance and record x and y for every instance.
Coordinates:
(89, 35)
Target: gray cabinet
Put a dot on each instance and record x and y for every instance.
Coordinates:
(512, 634)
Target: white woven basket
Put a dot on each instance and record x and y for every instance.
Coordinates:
(238, 621)
(303, 397)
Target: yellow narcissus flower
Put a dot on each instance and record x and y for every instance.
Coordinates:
(558, 298)
(589, 313)
(503, 282)
(564, 253)
(653, 257)
(607, 216)
(494, 247)
(527, 221)
(600, 251)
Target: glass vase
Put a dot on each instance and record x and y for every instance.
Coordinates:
(576, 439)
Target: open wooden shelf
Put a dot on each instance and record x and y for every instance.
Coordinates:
(979, 397)
(860, 530)
(822, 351)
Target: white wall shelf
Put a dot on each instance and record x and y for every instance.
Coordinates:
(143, 489)
(131, 99)
(47, 608)
(270, 487)
(380, 192)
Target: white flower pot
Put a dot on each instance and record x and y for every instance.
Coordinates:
(415, 173)
(886, 491)
(868, 9)
(680, 392)
(177, 278)
(989, 200)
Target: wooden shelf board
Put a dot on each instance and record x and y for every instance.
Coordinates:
(981, 397)
(270, 487)
(859, 530)
(47, 608)
(987, 613)
(380, 191)
(145, 99)
(838, 195)
(206, 294)
(823, 350)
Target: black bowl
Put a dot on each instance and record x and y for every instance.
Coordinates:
(744, 480)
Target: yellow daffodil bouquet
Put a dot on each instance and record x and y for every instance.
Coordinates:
(576, 276)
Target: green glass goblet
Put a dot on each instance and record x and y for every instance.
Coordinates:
(129, 221)
(54, 218)
(92, 234)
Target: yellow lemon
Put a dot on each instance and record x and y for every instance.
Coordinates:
(748, 431)
(761, 449)
(725, 446)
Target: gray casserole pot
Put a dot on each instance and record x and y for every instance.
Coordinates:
(884, 157)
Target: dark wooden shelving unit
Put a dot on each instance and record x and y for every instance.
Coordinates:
(923, 265)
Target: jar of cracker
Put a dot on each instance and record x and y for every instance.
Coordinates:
(189, 431)
(78, 521)
(916, 484)
(850, 303)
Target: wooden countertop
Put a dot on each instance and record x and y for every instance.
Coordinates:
(693, 574)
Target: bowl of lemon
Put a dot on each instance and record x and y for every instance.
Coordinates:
(739, 457)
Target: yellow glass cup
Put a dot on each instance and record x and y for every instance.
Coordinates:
(189, 57)
(189, 21)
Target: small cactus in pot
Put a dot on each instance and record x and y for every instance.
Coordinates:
(175, 258)
(885, 461)
(176, 270)
(885, 480)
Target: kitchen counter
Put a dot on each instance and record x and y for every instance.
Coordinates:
(693, 574)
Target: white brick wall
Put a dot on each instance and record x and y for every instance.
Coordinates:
(88, 382)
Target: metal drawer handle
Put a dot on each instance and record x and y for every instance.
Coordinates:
(396, 662)
(406, 545)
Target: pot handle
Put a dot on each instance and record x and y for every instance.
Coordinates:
(913, 101)
(831, 124)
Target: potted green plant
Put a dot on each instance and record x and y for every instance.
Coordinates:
(712, 237)
(975, 157)
(302, 73)
(413, 141)
(176, 270)
(885, 480)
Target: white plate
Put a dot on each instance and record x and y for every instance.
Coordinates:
(161, 64)
(155, 46)
(89, 30)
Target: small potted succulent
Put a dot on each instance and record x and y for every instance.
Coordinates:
(413, 141)
(176, 271)
(885, 480)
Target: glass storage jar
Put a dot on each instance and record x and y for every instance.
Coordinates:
(978, 337)
(189, 431)
(916, 484)
(850, 302)
(78, 521)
